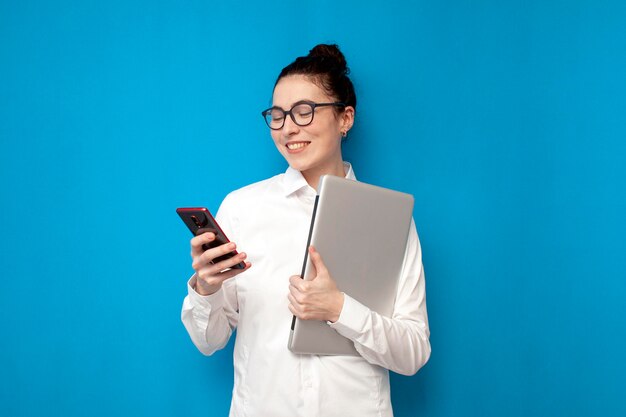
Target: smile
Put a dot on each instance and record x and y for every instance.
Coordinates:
(296, 145)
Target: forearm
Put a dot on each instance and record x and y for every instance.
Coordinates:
(400, 344)
(209, 320)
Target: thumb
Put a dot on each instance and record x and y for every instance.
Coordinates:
(316, 259)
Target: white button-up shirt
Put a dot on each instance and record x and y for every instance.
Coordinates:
(270, 221)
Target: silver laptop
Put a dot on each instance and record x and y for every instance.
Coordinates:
(361, 232)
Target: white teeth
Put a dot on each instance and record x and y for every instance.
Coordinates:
(297, 145)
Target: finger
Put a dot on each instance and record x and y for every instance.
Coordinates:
(220, 239)
(295, 280)
(200, 240)
(234, 272)
(293, 310)
(211, 277)
(217, 251)
(297, 298)
(230, 262)
(298, 283)
(205, 259)
(316, 259)
(292, 299)
(199, 258)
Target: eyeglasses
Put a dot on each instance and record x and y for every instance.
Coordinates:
(301, 113)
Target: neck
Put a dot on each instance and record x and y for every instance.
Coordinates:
(313, 176)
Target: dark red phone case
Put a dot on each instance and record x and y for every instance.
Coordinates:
(199, 220)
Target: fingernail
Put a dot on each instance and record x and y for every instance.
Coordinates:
(231, 246)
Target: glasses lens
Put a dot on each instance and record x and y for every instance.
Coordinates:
(303, 114)
(274, 118)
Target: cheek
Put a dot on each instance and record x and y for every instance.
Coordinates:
(330, 127)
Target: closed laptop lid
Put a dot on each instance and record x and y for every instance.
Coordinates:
(361, 232)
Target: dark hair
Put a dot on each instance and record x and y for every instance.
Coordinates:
(328, 68)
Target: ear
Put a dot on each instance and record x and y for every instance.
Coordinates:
(347, 118)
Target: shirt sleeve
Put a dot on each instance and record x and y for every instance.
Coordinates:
(399, 343)
(210, 320)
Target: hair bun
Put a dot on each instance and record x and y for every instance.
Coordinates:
(325, 66)
(332, 54)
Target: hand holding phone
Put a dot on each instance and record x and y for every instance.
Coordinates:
(199, 220)
(214, 257)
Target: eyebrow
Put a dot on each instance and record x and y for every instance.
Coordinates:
(295, 103)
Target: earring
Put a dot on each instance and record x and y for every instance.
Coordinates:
(344, 134)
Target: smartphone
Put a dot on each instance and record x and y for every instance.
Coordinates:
(199, 218)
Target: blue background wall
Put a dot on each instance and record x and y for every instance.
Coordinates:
(506, 120)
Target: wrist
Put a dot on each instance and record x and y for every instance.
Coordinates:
(205, 290)
(338, 308)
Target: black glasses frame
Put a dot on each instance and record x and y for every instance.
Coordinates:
(313, 105)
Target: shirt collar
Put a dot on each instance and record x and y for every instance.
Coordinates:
(293, 179)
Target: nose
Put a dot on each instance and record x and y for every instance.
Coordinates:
(290, 127)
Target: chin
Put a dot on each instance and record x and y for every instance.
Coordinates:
(298, 166)
(297, 163)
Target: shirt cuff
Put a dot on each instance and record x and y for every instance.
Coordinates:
(215, 300)
(352, 319)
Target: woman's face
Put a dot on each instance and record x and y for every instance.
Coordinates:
(314, 149)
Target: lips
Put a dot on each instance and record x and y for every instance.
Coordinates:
(294, 146)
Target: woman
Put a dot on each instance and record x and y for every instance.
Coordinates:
(313, 109)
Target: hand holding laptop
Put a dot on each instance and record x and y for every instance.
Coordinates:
(318, 298)
(345, 217)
